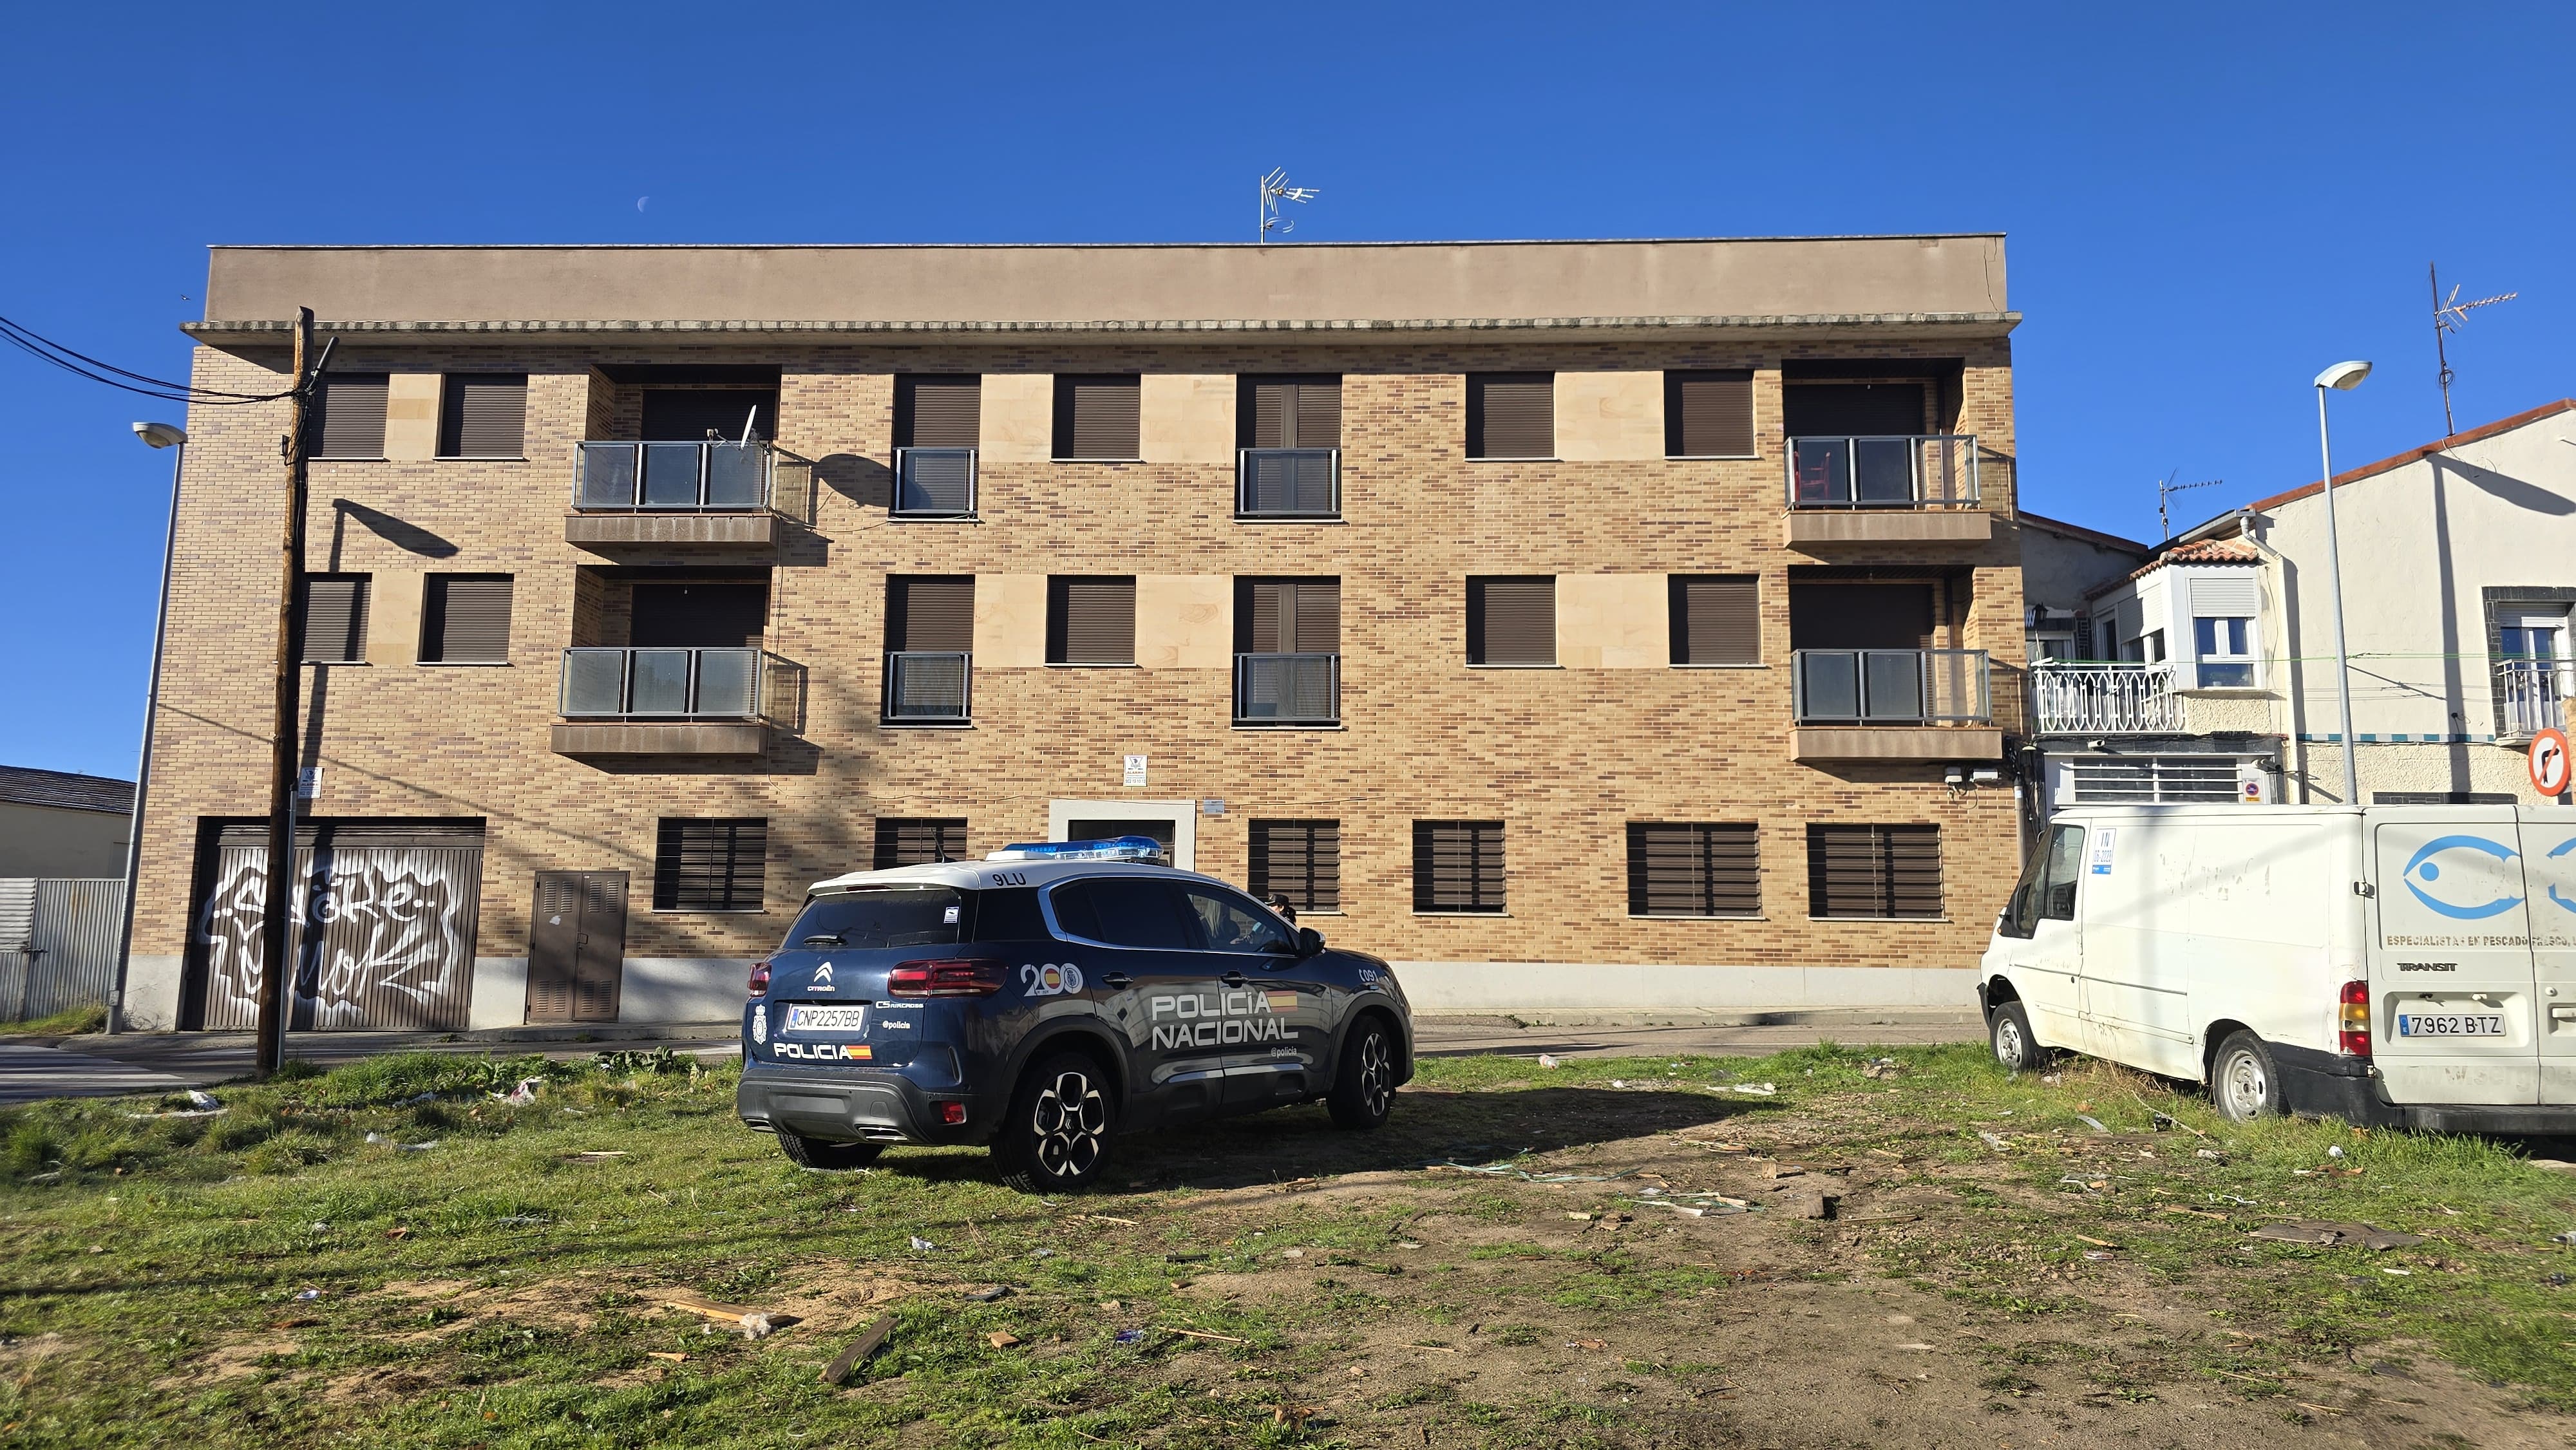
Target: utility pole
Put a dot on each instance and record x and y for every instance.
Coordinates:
(277, 973)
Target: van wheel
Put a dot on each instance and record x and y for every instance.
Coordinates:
(2244, 1081)
(1057, 1134)
(1364, 1086)
(814, 1153)
(2009, 1034)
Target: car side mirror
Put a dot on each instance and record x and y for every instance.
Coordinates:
(1309, 941)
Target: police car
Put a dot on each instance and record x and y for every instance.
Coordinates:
(1044, 1000)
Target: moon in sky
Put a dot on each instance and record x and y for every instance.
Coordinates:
(639, 202)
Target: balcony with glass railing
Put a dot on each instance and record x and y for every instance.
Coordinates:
(1901, 488)
(928, 687)
(1287, 689)
(1892, 704)
(2071, 698)
(664, 701)
(2531, 696)
(711, 493)
(1288, 483)
(934, 483)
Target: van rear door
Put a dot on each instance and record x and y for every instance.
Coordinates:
(2452, 981)
(2549, 864)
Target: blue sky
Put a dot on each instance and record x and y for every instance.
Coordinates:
(2206, 203)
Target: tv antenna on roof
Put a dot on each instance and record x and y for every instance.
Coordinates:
(2166, 489)
(2449, 313)
(1274, 189)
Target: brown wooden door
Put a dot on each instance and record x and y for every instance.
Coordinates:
(577, 946)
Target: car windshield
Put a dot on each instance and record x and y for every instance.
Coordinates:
(896, 917)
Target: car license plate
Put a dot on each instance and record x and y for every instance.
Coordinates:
(2450, 1024)
(827, 1017)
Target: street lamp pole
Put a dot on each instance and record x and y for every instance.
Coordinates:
(174, 438)
(2342, 377)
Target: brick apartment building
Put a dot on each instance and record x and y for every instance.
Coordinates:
(1584, 624)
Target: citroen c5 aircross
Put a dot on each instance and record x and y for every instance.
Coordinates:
(1046, 999)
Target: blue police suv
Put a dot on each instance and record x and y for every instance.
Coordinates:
(1046, 999)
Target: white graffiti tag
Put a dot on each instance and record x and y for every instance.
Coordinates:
(387, 940)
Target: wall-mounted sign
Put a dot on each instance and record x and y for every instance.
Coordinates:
(1135, 770)
(308, 782)
(2549, 763)
(1211, 808)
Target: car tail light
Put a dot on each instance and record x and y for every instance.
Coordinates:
(944, 979)
(2353, 1019)
(759, 984)
(952, 1113)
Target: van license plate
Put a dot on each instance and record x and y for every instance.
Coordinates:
(2450, 1024)
(827, 1017)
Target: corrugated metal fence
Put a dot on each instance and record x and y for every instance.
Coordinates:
(57, 944)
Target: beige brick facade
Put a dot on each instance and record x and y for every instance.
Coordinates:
(1566, 757)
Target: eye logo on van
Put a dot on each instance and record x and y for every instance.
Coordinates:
(2563, 848)
(2424, 867)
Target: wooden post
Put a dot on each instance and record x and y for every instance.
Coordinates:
(277, 971)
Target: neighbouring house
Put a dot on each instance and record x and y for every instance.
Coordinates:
(59, 825)
(1576, 624)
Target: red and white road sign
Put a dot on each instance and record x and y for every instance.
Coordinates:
(2549, 763)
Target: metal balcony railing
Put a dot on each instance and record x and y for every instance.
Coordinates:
(2103, 699)
(1891, 687)
(927, 686)
(1288, 483)
(934, 483)
(663, 684)
(1898, 471)
(2533, 694)
(1288, 689)
(713, 476)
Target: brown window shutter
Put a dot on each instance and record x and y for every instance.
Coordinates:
(1318, 617)
(1874, 871)
(1091, 619)
(465, 618)
(1458, 866)
(930, 612)
(483, 415)
(335, 619)
(1914, 871)
(919, 842)
(710, 865)
(1709, 414)
(1303, 411)
(1511, 620)
(1095, 415)
(1511, 415)
(349, 416)
(938, 410)
(1717, 619)
(1263, 598)
(1289, 616)
(1693, 869)
(1301, 860)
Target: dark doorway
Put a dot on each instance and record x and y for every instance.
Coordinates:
(687, 415)
(699, 614)
(1852, 410)
(577, 946)
(1860, 616)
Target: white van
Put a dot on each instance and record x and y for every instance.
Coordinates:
(2408, 965)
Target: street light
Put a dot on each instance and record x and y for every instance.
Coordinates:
(174, 438)
(2343, 377)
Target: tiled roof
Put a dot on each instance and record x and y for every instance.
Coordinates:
(2207, 551)
(21, 785)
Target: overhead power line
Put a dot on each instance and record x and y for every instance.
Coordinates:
(82, 365)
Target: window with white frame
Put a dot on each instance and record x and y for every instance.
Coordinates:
(2224, 651)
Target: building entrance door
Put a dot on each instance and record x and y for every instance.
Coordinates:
(577, 946)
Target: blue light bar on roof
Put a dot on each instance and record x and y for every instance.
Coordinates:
(1117, 848)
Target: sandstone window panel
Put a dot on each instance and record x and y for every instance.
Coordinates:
(1694, 869)
(1301, 410)
(1709, 414)
(1091, 619)
(465, 619)
(1874, 872)
(710, 865)
(1511, 415)
(1301, 860)
(334, 609)
(1717, 619)
(1458, 866)
(938, 410)
(1511, 619)
(919, 842)
(483, 415)
(347, 419)
(1096, 416)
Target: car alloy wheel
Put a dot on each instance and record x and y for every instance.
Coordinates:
(1070, 1122)
(1377, 1075)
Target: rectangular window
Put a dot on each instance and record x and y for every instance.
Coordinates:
(483, 415)
(348, 419)
(1511, 620)
(1458, 866)
(2225, 652)
(1874, 872)
(1299, 411)
(465, 619)
(1301, 860)
(938, 410)
(710, 865)
(1287, 616)
(1091, 619)
(335, 619)
(1511, 415)
(1709, 414)
(1693, 869)
(1095, 416)
(1716, 619)
(930, 612)
(919, 842)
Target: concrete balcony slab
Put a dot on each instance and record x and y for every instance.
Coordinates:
(661, 737)
(601, 533)
(1819, 743)
(1813, 530)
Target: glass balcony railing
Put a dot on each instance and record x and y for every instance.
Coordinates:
(1891, 687)
(2103, 699)
(1906, 471)
(1288, 483)
(934, 483)
(1288, 689)
(662, 684)
(713, 476)
(927, 687)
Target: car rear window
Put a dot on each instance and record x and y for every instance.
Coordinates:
(891, 917)
(1009, 913)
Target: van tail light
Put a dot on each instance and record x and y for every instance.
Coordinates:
(759, 984)
(2353, 1019)
(944, 979)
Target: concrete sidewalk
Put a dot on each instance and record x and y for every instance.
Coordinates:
(1722, 1034)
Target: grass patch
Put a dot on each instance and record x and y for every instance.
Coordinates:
(69, 1022)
